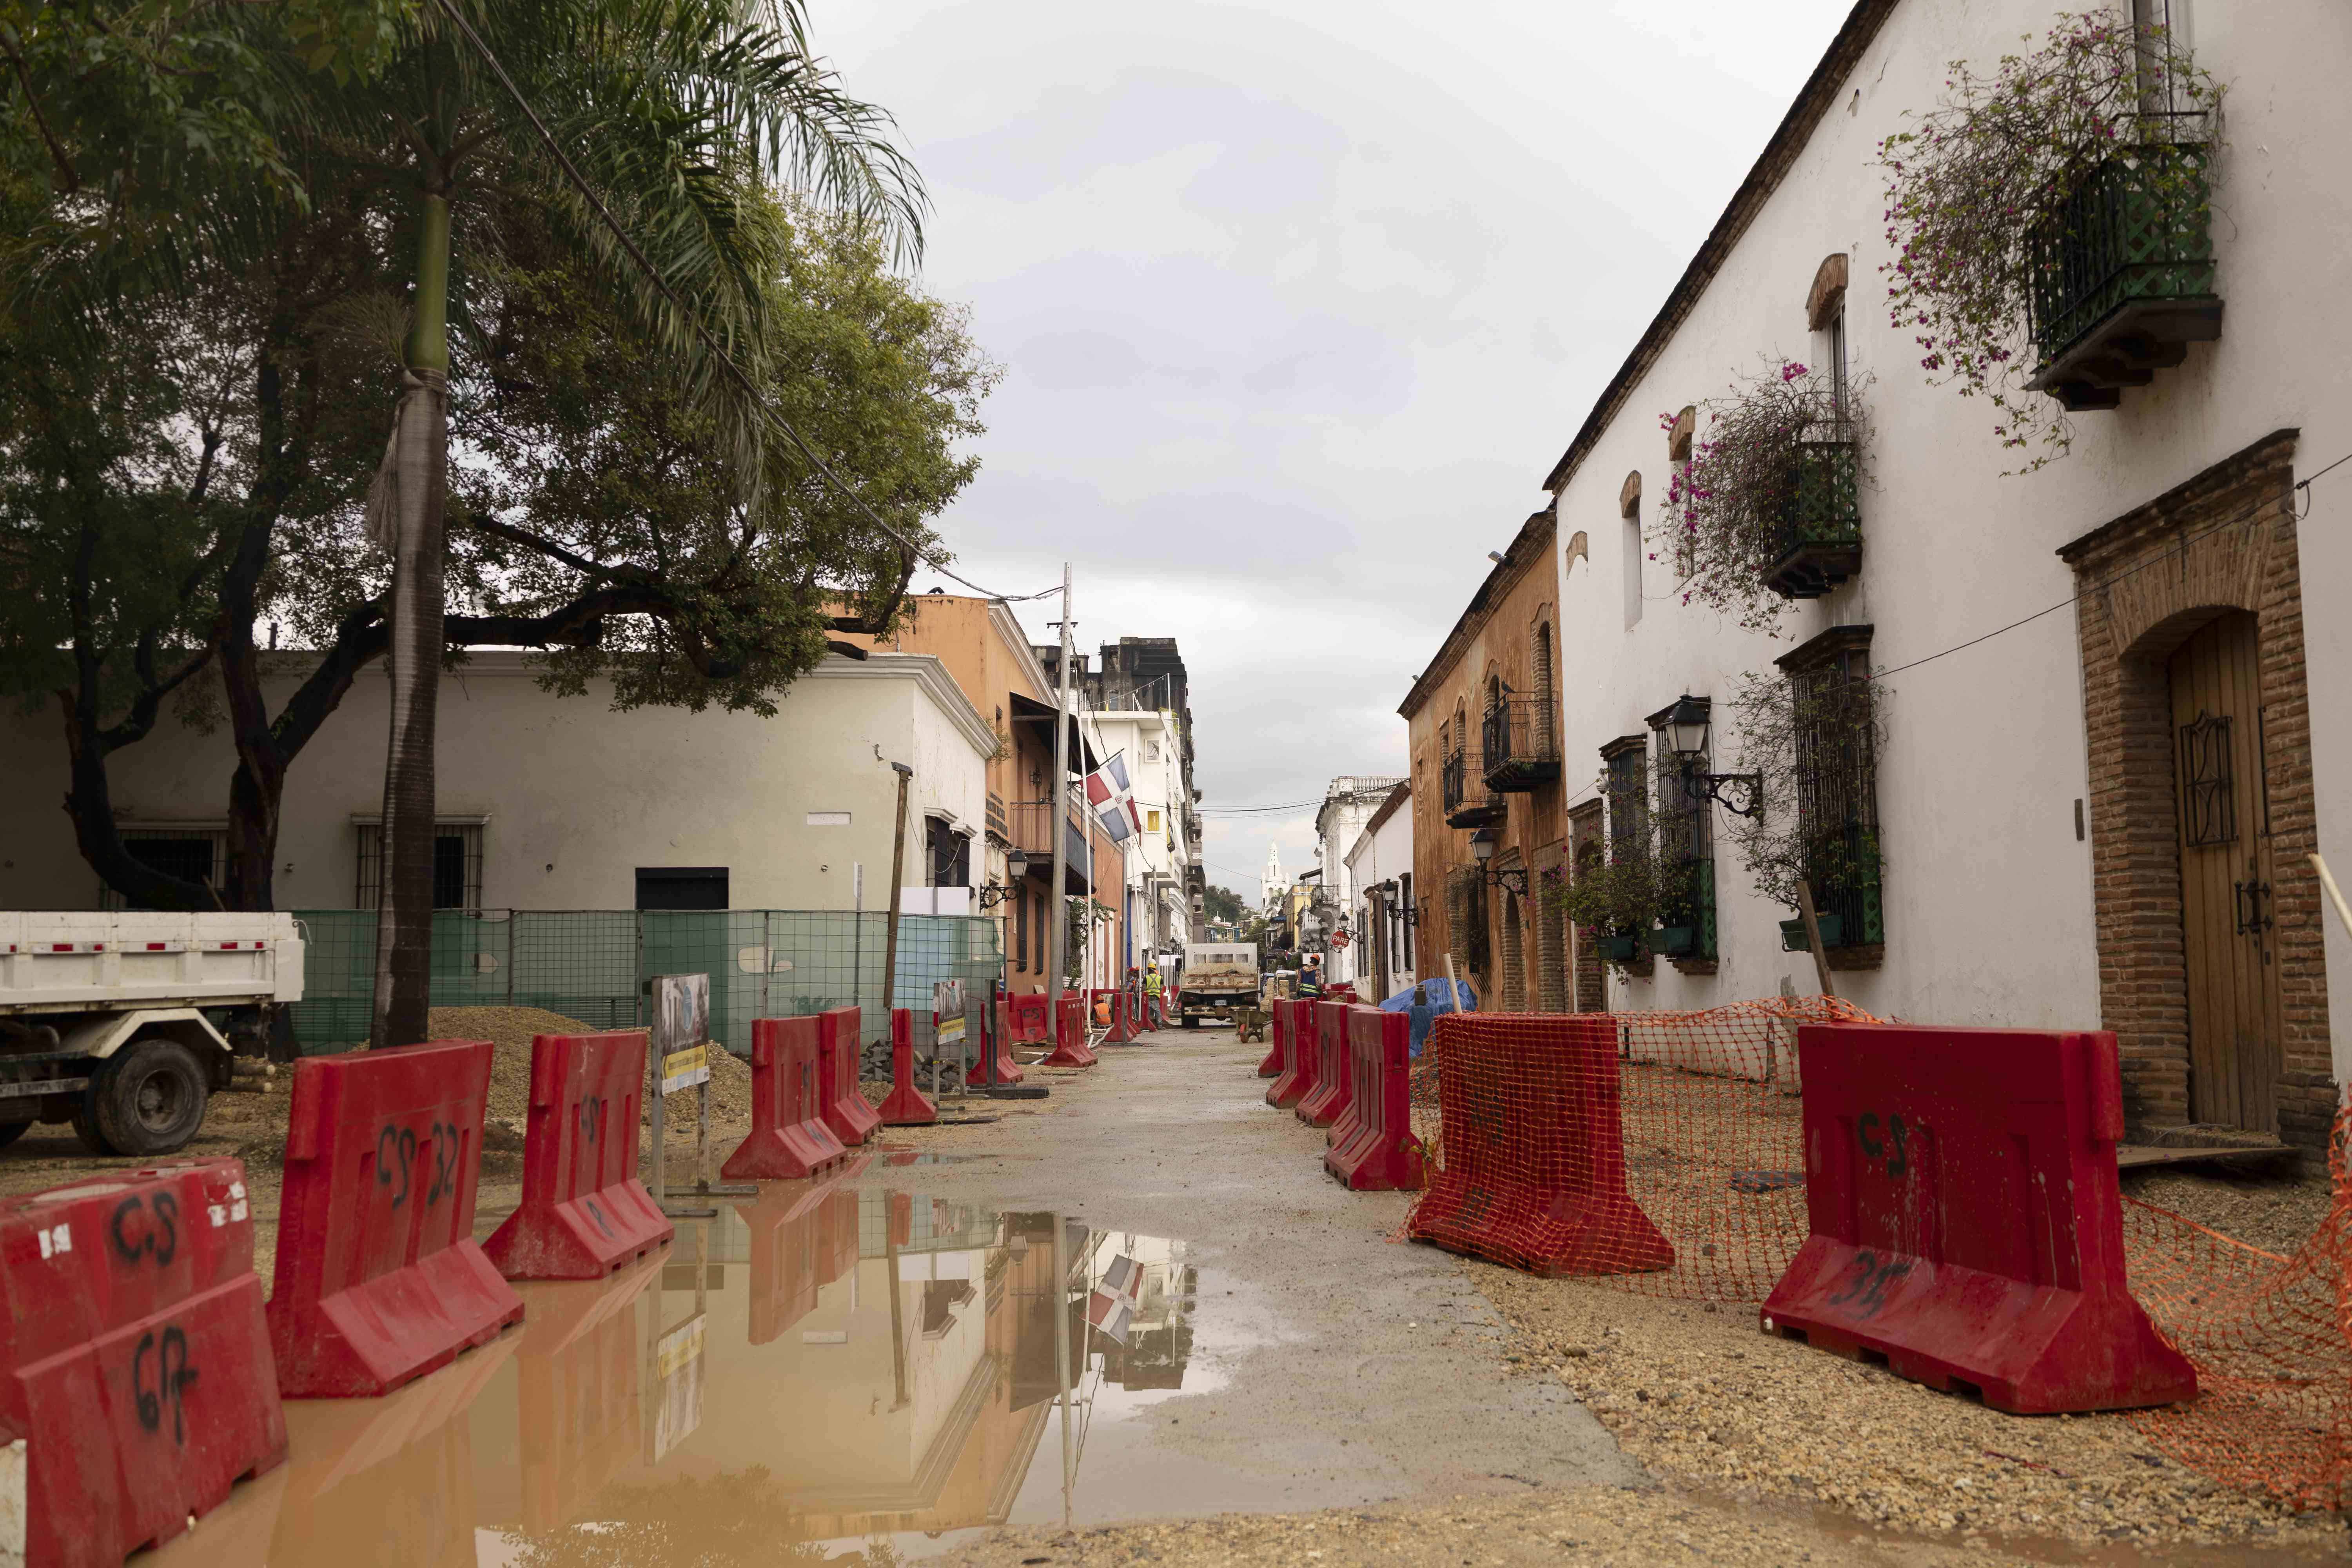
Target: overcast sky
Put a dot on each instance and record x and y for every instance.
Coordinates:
(1297, 306)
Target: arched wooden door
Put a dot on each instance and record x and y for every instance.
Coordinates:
(2222, 790)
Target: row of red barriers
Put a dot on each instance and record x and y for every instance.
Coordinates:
(1070, 1047)
(1960, 1190)
(1347, 1068)
(1295, 1076)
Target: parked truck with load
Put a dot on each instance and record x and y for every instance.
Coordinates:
(1219, 977)
(123, 1024)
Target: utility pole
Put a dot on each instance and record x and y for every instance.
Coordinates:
(1058, 935)
(898, 880)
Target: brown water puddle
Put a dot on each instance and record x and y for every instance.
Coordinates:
(814, 1369)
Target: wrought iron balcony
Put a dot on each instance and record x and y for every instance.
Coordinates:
(1032, 833)
(2122, 273)
(1520, 741)
(1819, 543)
(1469, 802)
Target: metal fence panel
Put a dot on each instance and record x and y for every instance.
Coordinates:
(591, 965)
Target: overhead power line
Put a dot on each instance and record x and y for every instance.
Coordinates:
(628, 243)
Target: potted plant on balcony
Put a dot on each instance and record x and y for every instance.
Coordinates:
(1622, 899)
(1768, 508)
(1985, 215)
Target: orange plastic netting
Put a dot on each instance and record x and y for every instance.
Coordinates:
(1708, 1115)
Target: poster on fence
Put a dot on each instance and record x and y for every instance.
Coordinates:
(681, 1030)
(947, 1007)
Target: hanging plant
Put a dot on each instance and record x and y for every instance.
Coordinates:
(1630, 892)
(1779, 465)
(1813, 741)
(1974, 179)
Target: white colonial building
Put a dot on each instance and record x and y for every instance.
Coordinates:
(1380, 869)
(562, 803)
(2108, 738)
(1348, 803)
(1158, 856)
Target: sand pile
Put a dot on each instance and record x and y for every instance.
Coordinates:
(509, 1030)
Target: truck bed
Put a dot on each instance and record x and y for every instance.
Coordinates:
(87, 961)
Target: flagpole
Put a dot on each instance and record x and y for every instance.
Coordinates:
(1058, 935)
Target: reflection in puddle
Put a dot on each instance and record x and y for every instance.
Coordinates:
(816, 1368)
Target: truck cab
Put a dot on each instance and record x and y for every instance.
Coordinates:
(1219, 977)
(123, 1022)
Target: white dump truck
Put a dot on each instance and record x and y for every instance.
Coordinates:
(123, 1024)
(1219, 977)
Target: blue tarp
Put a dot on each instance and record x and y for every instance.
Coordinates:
(1426, 1000)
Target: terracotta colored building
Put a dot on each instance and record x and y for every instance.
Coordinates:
(1490, 817)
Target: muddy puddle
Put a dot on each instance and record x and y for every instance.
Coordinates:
(810, 1375)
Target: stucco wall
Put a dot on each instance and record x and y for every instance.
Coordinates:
(1988, 889)
(578, 797)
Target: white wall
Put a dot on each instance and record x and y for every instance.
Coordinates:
(1987, 891)
(578, 797)
(1381, 855)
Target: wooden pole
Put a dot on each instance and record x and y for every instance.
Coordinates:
(1813, 937)
(898, 881)
(2334, 895)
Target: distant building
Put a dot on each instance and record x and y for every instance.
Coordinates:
(1348, 804)
(1146, 674)
(1273, 886)
(1380, 869)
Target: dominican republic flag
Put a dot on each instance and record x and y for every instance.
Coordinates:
(1116, 769)
(1099, 790)
(1114, 822)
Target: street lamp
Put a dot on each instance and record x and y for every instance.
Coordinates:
(1016, 866)
(1513, 879)
(1687, 726)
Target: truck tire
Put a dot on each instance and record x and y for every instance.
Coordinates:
(1191, 1022)
(12, 1131)
(149, 1097)
(85, 1126)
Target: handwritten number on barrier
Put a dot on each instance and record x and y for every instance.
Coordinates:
(172, 1374)
(1872, 1275)
(591, 1117)
(1892, 1149)
(153, 1234)
(397, 1145)
(444, 1163)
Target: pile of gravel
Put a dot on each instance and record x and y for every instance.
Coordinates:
(509, 1031)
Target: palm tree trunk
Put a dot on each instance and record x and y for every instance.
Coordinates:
(409, 505)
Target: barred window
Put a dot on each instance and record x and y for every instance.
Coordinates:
(193, 854)
(456, 866)
(1836, 766)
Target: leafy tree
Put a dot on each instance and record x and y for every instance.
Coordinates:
(1225, 904)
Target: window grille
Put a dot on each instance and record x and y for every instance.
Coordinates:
(456, 866)
(192, 854)
(2206, 786)
(1837, 788)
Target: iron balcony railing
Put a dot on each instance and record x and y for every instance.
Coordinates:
(1819, 535)
(2137, 228)
(1032, 835)
(1520, 744)
(1469, 801)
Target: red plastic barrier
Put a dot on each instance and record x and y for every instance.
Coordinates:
(1375, 1151)
(379, 1276)
(583, 1212)
(1535, 1156)
(789, 1137)
(797, 1238)
(1342, 991)
(839, 1045)
(905, 1105)
(1070, 1047)
(1334, 1085)
(1966, 1221)
(1272, 1065)
(1293, 1044)
(1007, 1069)
(577, 1374)
(1032, 1018)
(134, 1362)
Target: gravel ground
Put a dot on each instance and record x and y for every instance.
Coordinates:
(2275, 1208)
(1590, 1525)
(1698, 1395)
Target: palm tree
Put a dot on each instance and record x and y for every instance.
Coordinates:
(661, 106)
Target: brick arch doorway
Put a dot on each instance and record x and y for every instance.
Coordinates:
(2200, 808)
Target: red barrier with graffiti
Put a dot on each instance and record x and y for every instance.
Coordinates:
(379, 1276)
(839, 1046)
(1966, 1225)
(789, 1137)
(1374, 1149)
(134, 1362)
(1030, 1014)
(583, 1212)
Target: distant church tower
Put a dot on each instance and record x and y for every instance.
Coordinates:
(1273, 885)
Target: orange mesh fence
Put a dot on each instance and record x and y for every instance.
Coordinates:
(1705, 1111)
(2271, 1338)
(1709, 1112)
